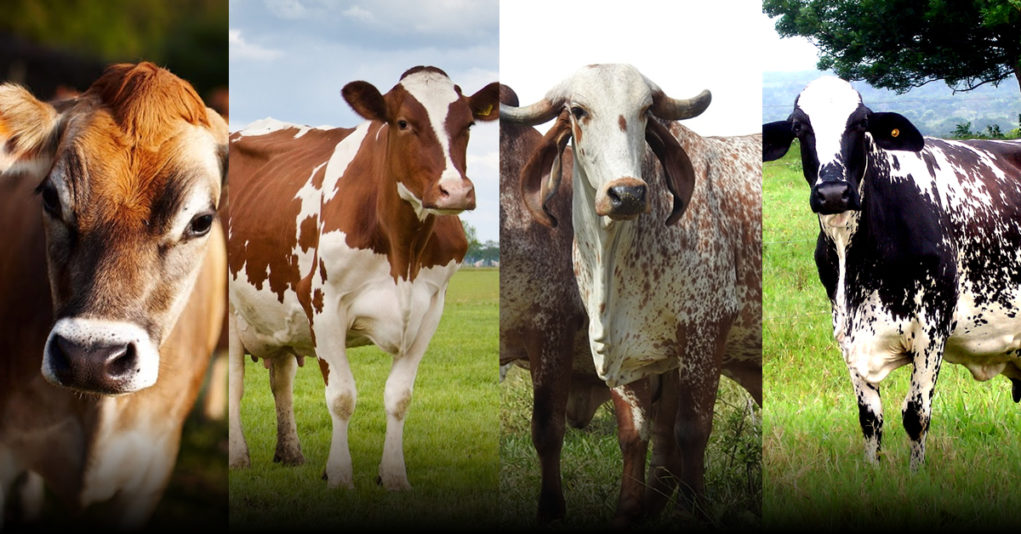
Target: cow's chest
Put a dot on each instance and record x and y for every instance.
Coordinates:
(648, 302)
(350, 294)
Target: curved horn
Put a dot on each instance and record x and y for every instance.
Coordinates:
(676, 109)
(536, 113)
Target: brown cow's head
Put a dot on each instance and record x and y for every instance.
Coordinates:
(610, 111)
(427, 121)
(129, 178)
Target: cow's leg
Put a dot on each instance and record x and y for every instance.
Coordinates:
(665, 466)
(340, 400)
(917, 409)
(632, 403)
(238, 448)
(870, 415)
(550, 366)
(281, 381)
(397, 397)
(697, 388)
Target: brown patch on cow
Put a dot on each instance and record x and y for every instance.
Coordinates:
(324, 369)
(308, 233)
(322, 270)
(266, 172)
(622, 122)
(317, 300)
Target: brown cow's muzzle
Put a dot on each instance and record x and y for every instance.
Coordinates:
(622, 199)
(451, 196)
(97, 356)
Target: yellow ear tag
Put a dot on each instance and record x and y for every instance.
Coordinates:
(895, 132)
(486, 111)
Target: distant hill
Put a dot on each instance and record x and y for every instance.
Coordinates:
(933, 108)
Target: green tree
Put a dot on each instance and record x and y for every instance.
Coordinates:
(474, 245)
(901, 44)
(963, 130)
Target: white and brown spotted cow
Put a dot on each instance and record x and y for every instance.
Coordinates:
(666, 253)
(345, 237)
(919, 249)
(112, 287)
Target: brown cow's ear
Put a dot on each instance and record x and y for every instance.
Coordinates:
(540, 177)
(221, 132)
(29, 131)
(680, 175)
(485, 103)
(366, 100)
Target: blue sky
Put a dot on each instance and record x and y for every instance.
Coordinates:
(289, 60)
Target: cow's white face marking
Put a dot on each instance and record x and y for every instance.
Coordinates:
(608, 107)
(828, 102)
(436, 93)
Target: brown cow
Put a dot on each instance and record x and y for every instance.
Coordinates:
(108, 205)
(344, 237)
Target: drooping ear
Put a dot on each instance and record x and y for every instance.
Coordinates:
(28, 132)
(776, 139)
(540, 177)
(892, 131)
(485, 103)
(680, 175)
(366, 100)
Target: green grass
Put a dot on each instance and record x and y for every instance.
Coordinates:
(450, 434)
(591, 466)
(813, 452)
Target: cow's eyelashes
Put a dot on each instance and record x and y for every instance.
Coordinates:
(578, 112)
(199, 225)
(51, 199)
(800, 128)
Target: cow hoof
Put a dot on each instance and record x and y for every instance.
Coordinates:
(393, 483)
(337, 482)
(289, 459)
(240, 463)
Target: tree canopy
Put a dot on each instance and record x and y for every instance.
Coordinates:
(901, 44)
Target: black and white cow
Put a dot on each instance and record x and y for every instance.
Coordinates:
(919, 248)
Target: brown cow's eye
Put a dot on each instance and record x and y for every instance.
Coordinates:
(51, 199)
(578, 112)
(402, 124)
(199, 225)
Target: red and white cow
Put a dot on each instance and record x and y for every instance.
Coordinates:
(670, 277)
(108, 204)
(345, 237)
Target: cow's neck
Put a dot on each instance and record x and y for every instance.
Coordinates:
(402, 223)
(599, 246)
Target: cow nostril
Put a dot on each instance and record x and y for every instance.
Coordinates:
(614, 195)
(122, 361)
(443, 192)
(59, 360)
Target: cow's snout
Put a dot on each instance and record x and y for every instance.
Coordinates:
(453, 196)
(624, 199)
(107, 358)
(101, 368)
(833, 197)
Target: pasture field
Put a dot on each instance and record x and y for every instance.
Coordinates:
(814, 474)
(450, 434)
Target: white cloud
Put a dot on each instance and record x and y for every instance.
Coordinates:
(359, 13)
(241, 49)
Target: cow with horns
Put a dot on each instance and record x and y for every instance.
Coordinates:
(919, 248)
(666, 254)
